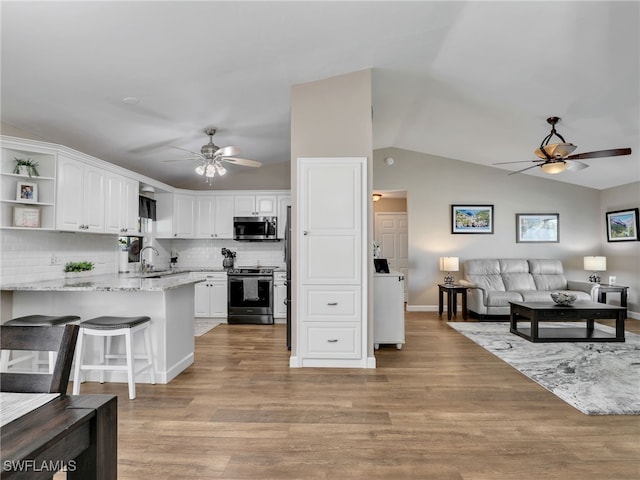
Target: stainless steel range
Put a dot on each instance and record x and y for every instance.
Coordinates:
(250, 295)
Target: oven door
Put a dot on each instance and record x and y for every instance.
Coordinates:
(250, 299)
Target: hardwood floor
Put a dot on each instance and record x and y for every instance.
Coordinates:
(441, 408)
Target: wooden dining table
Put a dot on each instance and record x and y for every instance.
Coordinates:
(73, 433)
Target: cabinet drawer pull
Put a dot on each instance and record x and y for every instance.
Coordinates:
(333, 340)
(332, 304)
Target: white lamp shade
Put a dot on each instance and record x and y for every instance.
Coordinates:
(595, 264)
(449, 264)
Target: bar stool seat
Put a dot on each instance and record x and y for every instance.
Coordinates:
(108, 327)
(34, 321)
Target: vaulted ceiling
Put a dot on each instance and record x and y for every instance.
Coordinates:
(472, 81)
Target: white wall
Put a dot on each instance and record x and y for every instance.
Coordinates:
(434, 183)
(623, 258)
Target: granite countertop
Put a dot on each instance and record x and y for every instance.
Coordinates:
(108, 283)
(123, 282)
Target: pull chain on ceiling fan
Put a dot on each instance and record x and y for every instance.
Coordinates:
(554, 157)
(211, 158)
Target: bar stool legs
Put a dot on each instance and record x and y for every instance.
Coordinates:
(108, 328)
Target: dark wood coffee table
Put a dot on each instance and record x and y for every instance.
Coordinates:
(589, 312)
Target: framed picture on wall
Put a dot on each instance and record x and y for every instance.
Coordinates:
(622, 225)
(471, 218)
(537, 227)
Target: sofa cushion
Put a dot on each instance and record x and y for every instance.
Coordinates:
(502, 299)
(518, 281)
(548, 274)
(545, 296)
(485, 274)
(513, 265)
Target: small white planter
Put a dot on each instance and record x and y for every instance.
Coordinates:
(86, 273)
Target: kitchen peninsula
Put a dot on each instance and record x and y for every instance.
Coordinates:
(166, 299)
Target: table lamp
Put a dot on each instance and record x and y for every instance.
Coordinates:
(595, 264)
(449, 264)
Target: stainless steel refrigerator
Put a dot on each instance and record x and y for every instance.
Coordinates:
(287, 257)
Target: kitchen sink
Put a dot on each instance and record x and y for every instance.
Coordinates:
(158, 274)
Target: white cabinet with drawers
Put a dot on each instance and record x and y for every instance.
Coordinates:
(332, 306)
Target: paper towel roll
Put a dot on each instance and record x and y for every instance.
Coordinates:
(123, 261)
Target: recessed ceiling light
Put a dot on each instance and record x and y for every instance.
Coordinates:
(130, 100)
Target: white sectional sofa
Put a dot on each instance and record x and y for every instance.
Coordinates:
(496, 282)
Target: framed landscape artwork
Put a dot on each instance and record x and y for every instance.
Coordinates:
(622, 225)
(537, 227)
(471, 218)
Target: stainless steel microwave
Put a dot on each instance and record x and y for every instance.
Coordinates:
(255, 229)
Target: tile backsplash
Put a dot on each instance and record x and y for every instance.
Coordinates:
(207, 253)
(27, 256)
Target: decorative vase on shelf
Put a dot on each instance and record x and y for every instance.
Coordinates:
(227, 262)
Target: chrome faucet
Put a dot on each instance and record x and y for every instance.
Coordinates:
(144, 267)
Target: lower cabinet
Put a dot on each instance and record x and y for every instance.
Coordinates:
(210, 298)
(279, 295)
(331, 327)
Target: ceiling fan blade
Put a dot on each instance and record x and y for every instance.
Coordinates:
(523, 170)
(519, 161)
(183, 159)
(197, 154)
(242, 161)
(229, 151)
(600, 154)
(576, 166)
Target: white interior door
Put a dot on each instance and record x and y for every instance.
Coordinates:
(392, 234)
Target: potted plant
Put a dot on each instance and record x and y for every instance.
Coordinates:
(26, 167)
(229, 256)
(78, 269)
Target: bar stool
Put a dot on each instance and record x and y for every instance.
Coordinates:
(34, 321)
(107, 328)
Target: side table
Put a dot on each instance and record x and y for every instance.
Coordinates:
(605, 288)
(452, 293)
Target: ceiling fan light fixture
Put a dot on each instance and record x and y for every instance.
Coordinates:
(210, 170)
(554, 167)
(220, 169)
(200, 169)
(555, 150)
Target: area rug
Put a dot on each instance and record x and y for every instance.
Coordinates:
(200, 326)
(595, 378)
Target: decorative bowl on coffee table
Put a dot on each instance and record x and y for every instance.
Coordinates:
(564, 299)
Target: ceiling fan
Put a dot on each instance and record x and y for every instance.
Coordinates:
(211, 158)
(556, 157)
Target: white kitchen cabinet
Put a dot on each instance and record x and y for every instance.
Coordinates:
(121, 215)
(214, 217)
(184, 215)
(43, 201)
(210, 298)
(388, 309)
(279, 295)
(332, 308)
(80, 201)
(284, 201)
(256, 205)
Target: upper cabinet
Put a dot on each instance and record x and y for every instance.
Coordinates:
(80, 204)
(28, 197)
(214, 217)
(121, 215)
(256, 205)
